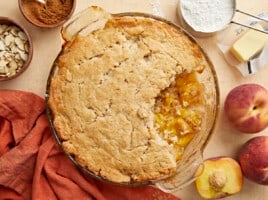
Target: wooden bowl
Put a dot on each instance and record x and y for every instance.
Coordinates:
(28, 14)
(20, 70)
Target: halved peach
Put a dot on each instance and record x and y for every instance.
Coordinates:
(220, 177)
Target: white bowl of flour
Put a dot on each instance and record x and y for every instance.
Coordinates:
(207, 16)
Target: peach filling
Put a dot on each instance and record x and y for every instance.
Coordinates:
(177, 116)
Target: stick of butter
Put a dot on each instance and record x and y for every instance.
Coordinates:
(249, 44)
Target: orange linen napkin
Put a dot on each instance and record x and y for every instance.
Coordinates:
(32, 165)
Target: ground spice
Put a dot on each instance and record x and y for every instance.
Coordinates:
(53, 12)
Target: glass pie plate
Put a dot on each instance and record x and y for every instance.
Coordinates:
(192, 156)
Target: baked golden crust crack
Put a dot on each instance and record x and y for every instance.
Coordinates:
(104, 92)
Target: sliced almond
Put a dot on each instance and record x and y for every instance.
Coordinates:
(26, 47)
(23, 55)
(8, 57)
(9, 40)
(3, 63)
(20, 63)
(2, 69)
(2, 46)
(17, 56)
(11, 72)
(14, 49)
(22, 36)
(19, 43)
(12, 65)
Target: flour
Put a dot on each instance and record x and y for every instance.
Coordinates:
(207, 15)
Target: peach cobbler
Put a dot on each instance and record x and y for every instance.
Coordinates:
(126, 98)
(177, 113)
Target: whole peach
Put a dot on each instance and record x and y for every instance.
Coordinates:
(253, 159)
(246, 107)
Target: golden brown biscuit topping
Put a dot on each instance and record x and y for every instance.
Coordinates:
(105, 94)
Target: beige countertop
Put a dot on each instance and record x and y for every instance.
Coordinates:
(225, 140)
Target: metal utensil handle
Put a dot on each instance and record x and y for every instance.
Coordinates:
(42, 1)
(233, 22)
(254, 16)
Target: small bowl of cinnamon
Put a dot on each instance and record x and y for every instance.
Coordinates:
(47, 13)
